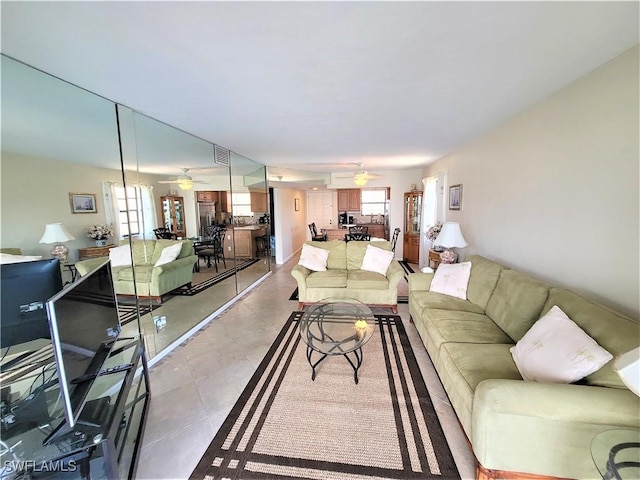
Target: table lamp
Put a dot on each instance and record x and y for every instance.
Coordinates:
(450, 236)
(627, 366)
(56, 233)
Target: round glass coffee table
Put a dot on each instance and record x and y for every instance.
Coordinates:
(616, 453)
(336, 327)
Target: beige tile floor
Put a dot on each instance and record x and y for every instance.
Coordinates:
(195, 386)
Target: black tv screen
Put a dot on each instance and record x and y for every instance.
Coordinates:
(84, 324)
(25, 287)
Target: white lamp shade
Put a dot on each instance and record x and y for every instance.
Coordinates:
(627, 367)
(450, 236)
(55, 233)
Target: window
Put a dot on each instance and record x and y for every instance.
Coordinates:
(241, 204)
(129, 203)
(373, 201)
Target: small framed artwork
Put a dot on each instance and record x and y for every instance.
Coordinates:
(455, 197)
(296, 204)
(83, 203)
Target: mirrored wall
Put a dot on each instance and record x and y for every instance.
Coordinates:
(62, 144)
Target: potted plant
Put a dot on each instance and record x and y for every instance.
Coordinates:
(99, 233)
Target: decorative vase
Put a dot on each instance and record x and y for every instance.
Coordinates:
(101, 243)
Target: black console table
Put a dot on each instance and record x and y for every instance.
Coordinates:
(104, 444)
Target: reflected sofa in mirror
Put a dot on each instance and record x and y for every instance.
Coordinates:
(59, 150)
(58, 140)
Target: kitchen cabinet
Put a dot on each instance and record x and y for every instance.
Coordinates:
(258, 202)
(207, 197)
(348, 199)
(411, 233)
(225, 201)
(173, 215)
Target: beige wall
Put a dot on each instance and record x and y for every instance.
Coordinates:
(36, 192)
(555, 191)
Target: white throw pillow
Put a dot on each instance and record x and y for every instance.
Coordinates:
(314, 258)
(377, 260)
(9, 258)
(120, 256)
(556, 350)
(452, 279)
(169, 254)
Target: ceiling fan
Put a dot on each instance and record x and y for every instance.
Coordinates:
(184, 181)
(360, 177)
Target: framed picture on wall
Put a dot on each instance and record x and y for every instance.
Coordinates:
(296, 204)
(455, 197)
(83, 203)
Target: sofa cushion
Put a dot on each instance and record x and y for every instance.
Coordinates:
(463, 366)
(143, 273)
(439, 300)
(463, 327)
(120, 256)
(452, 279)
(337, 253)
(613, 331)
(333, 278)
(483, 279)
(355, 251)
(556, 350)
(161, 244)
(313, 258)
(377, 260)
(143, 252)
(168, 254)
(516, 302)
(363, 279)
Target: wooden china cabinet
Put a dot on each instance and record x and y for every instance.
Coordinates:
(411, 234)
(173, 215)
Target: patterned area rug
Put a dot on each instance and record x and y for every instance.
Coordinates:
(210, 282)
(285, 425)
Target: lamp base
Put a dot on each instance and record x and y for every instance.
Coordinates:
(61, 252)
(448, 256)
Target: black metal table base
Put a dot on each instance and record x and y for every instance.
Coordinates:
(357, 353)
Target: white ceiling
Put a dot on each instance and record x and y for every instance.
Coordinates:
(316, 84)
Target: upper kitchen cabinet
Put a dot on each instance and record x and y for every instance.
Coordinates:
(349, 199)
(207, 197)
(259, 202)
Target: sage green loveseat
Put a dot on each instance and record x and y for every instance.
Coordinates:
(344, 278)
(150, 281)
(516, 425)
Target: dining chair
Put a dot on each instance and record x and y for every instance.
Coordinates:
(314, 233)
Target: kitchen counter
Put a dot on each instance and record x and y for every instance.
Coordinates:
(337, 233)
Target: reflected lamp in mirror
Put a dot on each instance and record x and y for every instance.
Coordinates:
(450, 237)
(56, 233)
(627, 366)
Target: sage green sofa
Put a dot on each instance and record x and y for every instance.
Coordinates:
(344, 278)
(516, 425)
(150, 281)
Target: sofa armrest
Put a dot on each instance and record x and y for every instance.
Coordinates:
(395, 273)
(300, 273)
(545, 428)
(85, 266)
(420, 281)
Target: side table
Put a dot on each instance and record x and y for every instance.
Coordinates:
(94, 252)
(71, 267)
(616, 453)
(434, 258)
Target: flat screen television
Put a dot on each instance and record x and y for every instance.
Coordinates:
(25, 287)
(84, 324)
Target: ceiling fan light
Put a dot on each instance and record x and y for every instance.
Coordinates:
(185, 184)
(360, 180)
